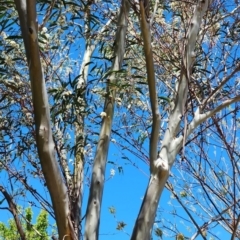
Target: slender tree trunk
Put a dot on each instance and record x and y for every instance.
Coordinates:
(171, 144)
(45, 144)
(97, 182)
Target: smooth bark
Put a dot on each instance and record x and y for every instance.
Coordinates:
(97, 181)
(45, 144)
(78, 175)
(161, 165)
(146, 33)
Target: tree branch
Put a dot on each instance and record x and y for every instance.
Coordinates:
(21, 6)
(170, 187)
(47, 15)
(223, 82)
(161, 166)
(13, 210)
(146, 33)
(235, 228)
(199, 118)
(213, 219)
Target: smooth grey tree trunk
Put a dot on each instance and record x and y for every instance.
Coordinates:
(45, 144)
(160, 166)
(97, 181)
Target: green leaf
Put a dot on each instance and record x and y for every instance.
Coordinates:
(121, 225)
(112, 210)
(158, 232)
(14, 37)
(183, 194)
(165, 99)
(139, 90)
(180, 236)
(120, 170)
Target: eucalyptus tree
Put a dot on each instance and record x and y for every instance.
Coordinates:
(205, 180)
(169, 66)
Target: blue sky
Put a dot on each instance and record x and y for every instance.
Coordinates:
(124, 192)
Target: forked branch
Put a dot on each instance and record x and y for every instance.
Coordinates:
(146, 33)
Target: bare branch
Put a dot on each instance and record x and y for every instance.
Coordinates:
(170, 187)
(199, 118)
(90, 47)
(47, 15)
(151, 82)
(154, 12)
(223, 82)
(21, 6)
(235, 228)
(213, 219)
(13, 210)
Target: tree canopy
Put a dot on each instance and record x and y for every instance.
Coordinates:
(158, 81)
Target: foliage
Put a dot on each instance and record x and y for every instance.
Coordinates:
(33, 231)
(78, 48)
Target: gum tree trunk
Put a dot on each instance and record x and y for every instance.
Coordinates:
(97, 181)
(171, 145)
(45, 144)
